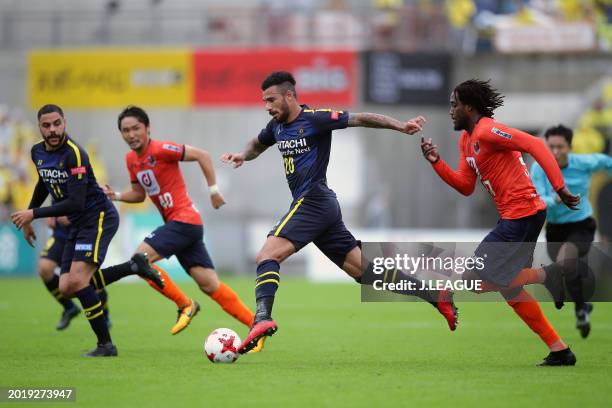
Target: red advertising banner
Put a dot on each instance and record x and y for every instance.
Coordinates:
(233, 77)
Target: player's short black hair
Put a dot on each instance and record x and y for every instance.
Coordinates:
(480, 95)
(134, 111)
(50, 108)
(283, 79)
(560, 130)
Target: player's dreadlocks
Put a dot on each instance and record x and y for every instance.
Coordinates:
(479, 95)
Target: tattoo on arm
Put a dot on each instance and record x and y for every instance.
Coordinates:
(254, 149)
(373, 120)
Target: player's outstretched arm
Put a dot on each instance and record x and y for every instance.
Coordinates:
(253, 149)
(135, 195)
(376, 120)
(206, 164)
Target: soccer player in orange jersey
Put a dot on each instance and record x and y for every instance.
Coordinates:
(492, 151)
(154, 171)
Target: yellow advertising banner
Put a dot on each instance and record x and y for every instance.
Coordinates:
(108, 77)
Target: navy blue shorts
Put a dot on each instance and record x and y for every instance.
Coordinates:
(509, 248)
(318, 220)
(88, 240)
(183, 240)
(54, 248)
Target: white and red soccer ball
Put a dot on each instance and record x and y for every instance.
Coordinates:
(221, 346)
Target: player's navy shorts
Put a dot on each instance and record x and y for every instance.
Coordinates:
(581, 234)
(509, 248)
(88, 240)
(54, 248)
(183, 240)
(319, 220)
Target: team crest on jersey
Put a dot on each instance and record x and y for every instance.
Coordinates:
(476, 147)
(151, 160)
(61, 164)
(301, 131)
(171, 147)
(501, 133)
(148, 181)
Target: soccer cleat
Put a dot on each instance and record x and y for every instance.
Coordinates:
(103, 350)
(559, 358)
(146, 271)
(67, 316)
(259, 346)
(184, 316)
(258, 331)
(447, 308)
(554, 283)
(583, 321)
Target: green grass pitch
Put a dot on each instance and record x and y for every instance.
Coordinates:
(331, 350)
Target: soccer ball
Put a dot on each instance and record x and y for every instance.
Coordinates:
(221, 346)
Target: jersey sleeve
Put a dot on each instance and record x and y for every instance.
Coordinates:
(171, 151)
(328, 120)
(594, 162)
(463, 180)
(540, 183)
(77, 164)
(266, 136)
(500, 137)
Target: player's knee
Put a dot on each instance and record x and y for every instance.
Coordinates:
(67, 288)
(71, 285)
(45, 273)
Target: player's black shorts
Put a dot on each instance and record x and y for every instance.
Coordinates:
(54, 248)
(183, 240)
(319, 220)
(88, 240)
(509, 248)
(581, 234)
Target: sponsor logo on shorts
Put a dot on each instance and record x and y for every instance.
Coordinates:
(83, 247)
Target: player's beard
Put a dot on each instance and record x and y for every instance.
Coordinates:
(61, 137)
(284, 112)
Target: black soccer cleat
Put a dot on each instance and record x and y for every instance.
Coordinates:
(146, 271)
(67, 316)
(559, 358)
(583, 320)
(103, 350)
(554, 283)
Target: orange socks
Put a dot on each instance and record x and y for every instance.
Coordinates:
(529, 310)
(170, 290)
(526, 277)
(231, 303)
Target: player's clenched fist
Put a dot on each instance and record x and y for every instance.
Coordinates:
(430, 150)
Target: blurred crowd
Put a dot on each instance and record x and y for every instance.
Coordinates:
(17, 173)
(460, 26)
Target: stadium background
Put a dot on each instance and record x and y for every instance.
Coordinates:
(196, 67)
